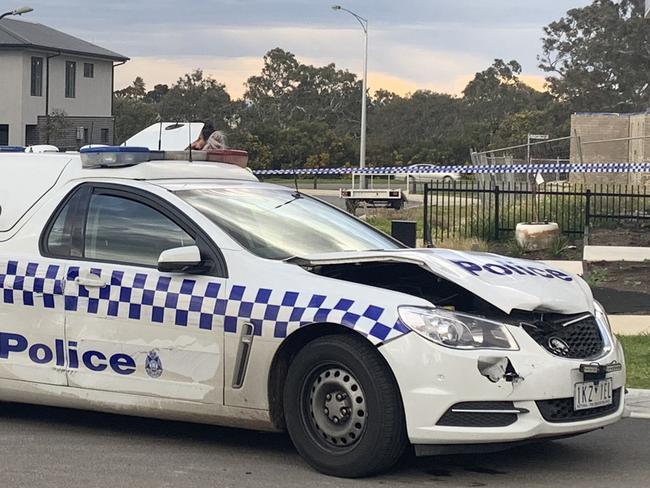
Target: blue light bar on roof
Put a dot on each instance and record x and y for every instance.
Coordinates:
(12, 149)
(113, 156)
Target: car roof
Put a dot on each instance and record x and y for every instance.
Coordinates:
(27, 178)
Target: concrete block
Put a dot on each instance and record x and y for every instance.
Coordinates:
(616, 253)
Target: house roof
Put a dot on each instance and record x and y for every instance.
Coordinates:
(26, 35)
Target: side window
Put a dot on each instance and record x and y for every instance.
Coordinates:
(62, 235)
(59, 240)
(126, 231)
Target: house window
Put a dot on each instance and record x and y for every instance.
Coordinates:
(104, 136)
(37, 77)
(4, 134)
(89, 70)
(31, 135)
(70, 79)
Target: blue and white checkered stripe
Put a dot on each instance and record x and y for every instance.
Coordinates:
(479, 169)
(183, 302)
(275, 313)
(30, 284)
(146, 297)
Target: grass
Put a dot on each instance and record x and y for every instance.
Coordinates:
(596, 276)
(465, 244)
(308, 181)
(637, 360)
(381, 218)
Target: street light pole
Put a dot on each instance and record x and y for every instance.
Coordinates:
(364, 96)
(18, 11)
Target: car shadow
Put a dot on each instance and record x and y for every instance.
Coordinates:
(147, 429)
(526, 465)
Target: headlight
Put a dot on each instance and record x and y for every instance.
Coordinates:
(457, 330)
(602, 320)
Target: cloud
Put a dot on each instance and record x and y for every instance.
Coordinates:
(232, 72)
(435, 44)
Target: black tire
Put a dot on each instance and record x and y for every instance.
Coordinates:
(363, 445)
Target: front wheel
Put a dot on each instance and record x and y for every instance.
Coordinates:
(343, 409)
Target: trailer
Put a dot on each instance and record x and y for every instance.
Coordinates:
(368, 194)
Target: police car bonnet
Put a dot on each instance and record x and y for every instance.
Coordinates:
(507, 283)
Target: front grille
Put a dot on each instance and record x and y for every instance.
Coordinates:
(478, 419)
(561, 410)
(579, 340)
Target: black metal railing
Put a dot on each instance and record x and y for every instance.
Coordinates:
(469, 209)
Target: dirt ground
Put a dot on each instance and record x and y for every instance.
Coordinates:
(635, 236)
(564, 251)
(621, 287)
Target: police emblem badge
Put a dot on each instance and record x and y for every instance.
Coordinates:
(153, 365)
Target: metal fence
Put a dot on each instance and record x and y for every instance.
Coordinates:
(491, 212)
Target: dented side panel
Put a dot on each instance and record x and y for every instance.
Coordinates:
(160, 331)
(31, 320)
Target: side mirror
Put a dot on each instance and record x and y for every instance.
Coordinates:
(179, 260)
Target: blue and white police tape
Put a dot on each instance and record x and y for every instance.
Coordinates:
(479, 169)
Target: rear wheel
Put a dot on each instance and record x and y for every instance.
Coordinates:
(343, 409)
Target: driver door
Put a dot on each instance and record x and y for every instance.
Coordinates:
(137, 330)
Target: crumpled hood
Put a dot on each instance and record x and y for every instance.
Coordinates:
(507, 283)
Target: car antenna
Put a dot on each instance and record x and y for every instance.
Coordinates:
(189, 134)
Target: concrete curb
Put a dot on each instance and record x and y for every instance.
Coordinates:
(573, 267)
(630, 324)
(616, 253)
(637, 403)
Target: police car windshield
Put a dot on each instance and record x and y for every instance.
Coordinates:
(278, 223)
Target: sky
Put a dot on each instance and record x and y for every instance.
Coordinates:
(414, 44)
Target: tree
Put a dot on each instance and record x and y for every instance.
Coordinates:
(419, 128)
(135, 91)
(56, 125)
(598, 57)
(131, 116)
(288, 91)
(296, 115)
(493, 95)
(157, 94)
(196, 97)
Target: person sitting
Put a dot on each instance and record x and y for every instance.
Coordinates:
(205, 134)
(217, 140)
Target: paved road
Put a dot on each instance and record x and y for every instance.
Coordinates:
(61, 448)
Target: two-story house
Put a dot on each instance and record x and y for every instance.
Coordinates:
(54, 88)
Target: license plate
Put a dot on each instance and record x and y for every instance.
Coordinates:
(592, 394)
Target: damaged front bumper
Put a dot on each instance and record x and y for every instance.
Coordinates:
(478, 397)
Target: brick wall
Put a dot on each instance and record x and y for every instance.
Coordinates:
(93, 130)
(597, 127)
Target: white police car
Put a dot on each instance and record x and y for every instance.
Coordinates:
(191, 291)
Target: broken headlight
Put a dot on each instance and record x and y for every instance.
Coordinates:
(601, 317)
(603, 322)
(457, 330)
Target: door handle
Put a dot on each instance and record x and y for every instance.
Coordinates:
(90, 280)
